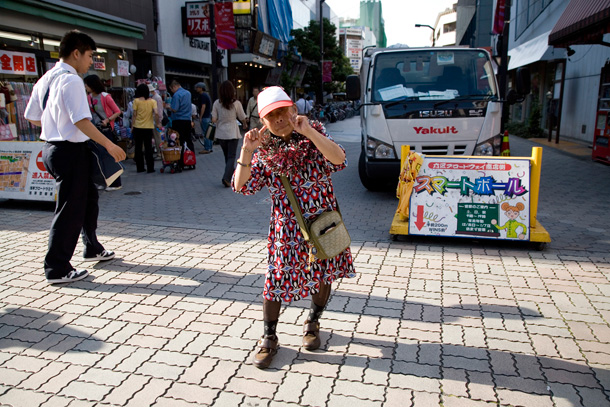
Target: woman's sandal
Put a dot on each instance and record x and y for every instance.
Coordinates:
(267, 348)
(311, 337)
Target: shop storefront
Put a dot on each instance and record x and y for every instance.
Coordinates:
(30, 31)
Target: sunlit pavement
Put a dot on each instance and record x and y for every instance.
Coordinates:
(173, 320)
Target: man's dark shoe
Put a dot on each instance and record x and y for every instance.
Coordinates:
(103, 256)
(73, 275)
(311, 337)
(267, 348)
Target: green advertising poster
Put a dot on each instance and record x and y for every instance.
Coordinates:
(462, 197)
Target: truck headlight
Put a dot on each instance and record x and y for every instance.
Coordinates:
(379, 150)
(489, 147)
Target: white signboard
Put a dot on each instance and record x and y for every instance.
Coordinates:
(18, 63)
(22, 173)
(122, 67)
(461, 197)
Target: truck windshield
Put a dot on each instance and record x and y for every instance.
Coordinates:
(432, 75)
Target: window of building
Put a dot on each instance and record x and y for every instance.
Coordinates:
(449, 27)
(527, 12)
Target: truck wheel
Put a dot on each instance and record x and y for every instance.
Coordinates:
(369, 183)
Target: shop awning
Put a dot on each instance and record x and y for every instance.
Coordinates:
(582, 22)
(534, 50)
(76, 16)
(246, 57)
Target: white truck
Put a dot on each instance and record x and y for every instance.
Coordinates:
(440, 101)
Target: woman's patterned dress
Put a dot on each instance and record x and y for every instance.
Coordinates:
(289, 275)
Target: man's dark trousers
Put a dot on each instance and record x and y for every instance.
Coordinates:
(77, 205)
(183, 127)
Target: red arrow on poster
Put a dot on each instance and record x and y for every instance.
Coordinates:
(419, 222)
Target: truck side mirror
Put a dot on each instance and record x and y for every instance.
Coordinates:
(523, 81)
(352, 87)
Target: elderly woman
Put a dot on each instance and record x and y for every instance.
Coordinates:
(289, 145)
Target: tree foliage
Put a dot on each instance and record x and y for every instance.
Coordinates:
(307, 42)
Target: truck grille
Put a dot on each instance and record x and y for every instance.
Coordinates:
(444, 150)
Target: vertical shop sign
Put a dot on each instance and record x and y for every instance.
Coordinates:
(22, 173)
(327, 71)
(471, 197)
(18, 63)
(225, 26)
(198, 19)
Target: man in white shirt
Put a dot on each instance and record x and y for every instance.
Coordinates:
(59, 105)
(301, 105)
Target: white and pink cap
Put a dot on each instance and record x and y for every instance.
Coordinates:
(272, 98)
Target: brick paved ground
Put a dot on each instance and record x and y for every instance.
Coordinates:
(174, 319)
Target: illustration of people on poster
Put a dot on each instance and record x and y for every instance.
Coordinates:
(485, 198)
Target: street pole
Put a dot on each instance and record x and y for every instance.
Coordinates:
(430, 27)
(321, 90)
(503, 69)
(214, 52)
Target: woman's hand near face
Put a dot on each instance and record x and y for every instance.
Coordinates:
(301, 124)
(254, 138)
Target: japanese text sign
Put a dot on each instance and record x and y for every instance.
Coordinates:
(482, 197)
(18, 63)
(198, 19)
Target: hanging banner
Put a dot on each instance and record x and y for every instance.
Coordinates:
(22, 173)
(471, 197)
(122, 67)
(327, 71)
(499, 17)
(198, 19)
(225, 26)
(18, 63)
(241, 7)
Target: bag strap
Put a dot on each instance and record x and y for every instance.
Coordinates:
(46, 95)
(296, 208)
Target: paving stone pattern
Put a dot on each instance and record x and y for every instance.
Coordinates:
(173, 320)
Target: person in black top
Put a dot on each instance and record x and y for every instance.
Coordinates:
(204, 105)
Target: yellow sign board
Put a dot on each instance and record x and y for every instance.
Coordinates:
(241, 6)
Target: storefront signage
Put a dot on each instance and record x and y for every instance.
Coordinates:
(471, 197)
(122, 67)
(22, 173)
(18, 63)
(241, 7)
(195, 43)
(99, 63)
(198, 19)
(265, 45)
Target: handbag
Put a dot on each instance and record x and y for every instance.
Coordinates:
(211, 132)
(104, 169)
(327, 232)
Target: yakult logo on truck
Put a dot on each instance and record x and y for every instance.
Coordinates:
(435, 130)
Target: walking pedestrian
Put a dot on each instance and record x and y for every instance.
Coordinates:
(59, 105)
(252, 109)
(154, 94)
(143, 126)
(104, 111)
(205, 112)
(180, 109)
(299, 150)
(225, 113)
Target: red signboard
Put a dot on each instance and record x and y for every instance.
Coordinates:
(18, 63)
(225, 25)
(499, 17)
(198, 19)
